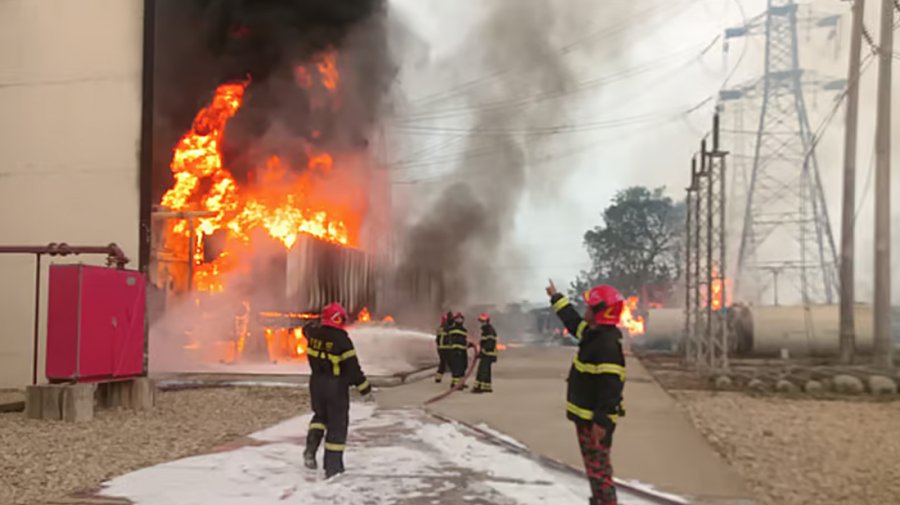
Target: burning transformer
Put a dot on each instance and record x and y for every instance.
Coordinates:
(269, 203)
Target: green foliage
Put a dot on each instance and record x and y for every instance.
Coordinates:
(639, 242)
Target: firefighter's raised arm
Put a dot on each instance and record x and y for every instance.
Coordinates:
(566, 312)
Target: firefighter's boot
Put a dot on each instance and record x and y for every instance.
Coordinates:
(334, 463)
(313, 439)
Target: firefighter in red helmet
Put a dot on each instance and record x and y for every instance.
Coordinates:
(596, 380)
(487, 355)
(457, 345)
(334, 368)
(441, 339)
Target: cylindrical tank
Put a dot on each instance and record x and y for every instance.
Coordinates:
(802, 331)
(663, 328)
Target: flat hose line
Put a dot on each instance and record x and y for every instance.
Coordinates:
(457, 387)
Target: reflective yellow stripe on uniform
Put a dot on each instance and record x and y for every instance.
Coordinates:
(335, 447)
(457, 346)
(600, 368)
(579, 412)
(335, 360)
(363, 385)
(580, 330)
(561, 304)
(586, 414)
(491, 353)
(317, 426)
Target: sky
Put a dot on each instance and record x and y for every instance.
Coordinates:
(668, 62)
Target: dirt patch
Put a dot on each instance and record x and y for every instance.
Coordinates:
(801, 451)
(43, 460)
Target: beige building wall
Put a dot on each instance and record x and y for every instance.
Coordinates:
(70, 112)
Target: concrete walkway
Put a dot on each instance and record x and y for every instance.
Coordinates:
(655, 443)
(394, 457)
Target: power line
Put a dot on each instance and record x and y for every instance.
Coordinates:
(701, 50)
(602, 33)
(555, 157)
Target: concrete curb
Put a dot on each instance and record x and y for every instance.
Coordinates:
(559, 465)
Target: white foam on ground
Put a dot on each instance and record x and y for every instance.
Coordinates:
(501, 436)
(383, 351)
(394, 457)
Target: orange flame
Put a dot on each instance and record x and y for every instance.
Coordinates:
(716, 301)
(633, 325)
(280, 204)
(364, 316)
(327, 66)
(300, 339)
(388, 319)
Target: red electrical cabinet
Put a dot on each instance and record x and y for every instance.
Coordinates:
(95, 323)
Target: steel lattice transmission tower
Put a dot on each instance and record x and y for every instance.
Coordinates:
(786, 230)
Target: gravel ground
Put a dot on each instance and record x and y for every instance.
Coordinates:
(801, 451)
(41, 460)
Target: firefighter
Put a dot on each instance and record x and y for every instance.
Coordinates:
(334, 367)
(487, 355)
(596, 380)
(457, 344)
(442, 347)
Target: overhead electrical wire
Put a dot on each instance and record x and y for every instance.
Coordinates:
(415, 160)
(605, 31)
(557, 156)
(697, 51)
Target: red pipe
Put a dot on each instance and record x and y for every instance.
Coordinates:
(114, 256)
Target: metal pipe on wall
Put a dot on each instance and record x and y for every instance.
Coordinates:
(115, 256)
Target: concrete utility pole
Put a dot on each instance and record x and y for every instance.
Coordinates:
(848, 233)
(883, 346)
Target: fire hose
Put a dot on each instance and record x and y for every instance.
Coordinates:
(461, 384)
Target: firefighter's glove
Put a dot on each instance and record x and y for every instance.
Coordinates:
(369, 397)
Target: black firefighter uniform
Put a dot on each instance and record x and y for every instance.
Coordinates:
(457, 344)
(487, 358)
(334, 367)
(442, 344)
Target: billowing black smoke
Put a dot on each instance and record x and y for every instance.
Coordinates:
(466, 233)
(201, 44)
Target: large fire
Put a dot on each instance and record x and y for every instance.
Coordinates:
(633, 324)
(278, 203)
(279, 200)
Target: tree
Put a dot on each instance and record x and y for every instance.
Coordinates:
(638, 244)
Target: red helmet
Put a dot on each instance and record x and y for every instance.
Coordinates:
(459, 317)
(444, 319)
(484, 317)
(334, 315)
(607, 304)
